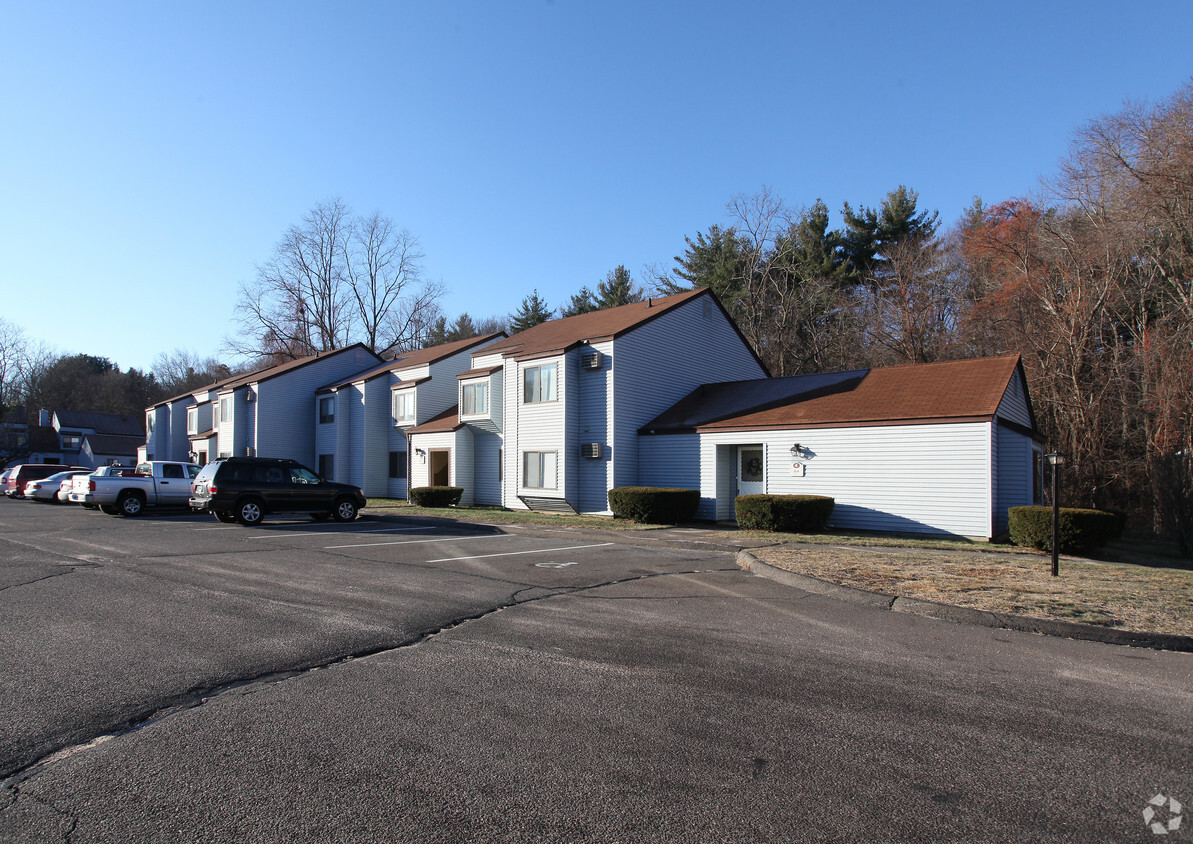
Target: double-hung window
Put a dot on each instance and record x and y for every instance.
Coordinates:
(327, 410)
(476, 399)
(192, 420)
(538, 383)
(225, 409)
(538, 470)
(403, 408)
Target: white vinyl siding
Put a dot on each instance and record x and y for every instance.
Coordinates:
(537, 426)
(1014, 481)
(285, 404)
(932, 479)
(1013, 406)
(660, 362)
(592, 390)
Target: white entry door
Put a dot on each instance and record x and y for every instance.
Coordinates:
(751, 470)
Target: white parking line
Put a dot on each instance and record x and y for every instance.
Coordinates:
(419, 541)
(515, 553)
(339, 532)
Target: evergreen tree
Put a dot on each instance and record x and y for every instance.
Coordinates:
(717, 260)
(582, 303)
(436, 334)
(463, 328)
(870, 233)
(617, 289)
(530, 313)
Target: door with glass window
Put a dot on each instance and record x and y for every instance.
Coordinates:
(751, 470)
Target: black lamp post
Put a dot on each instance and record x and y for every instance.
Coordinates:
(1055, 459)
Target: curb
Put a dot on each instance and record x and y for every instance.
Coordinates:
(963, 615)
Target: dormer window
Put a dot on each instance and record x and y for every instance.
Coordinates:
(475, 401)
(404, 408)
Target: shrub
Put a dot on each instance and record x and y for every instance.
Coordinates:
(436, 496)
(787, 513)
(654, 505)
(1077, 529)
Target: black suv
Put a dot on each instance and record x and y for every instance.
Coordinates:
(244, 489)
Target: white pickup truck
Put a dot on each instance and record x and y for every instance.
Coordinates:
(158, 483)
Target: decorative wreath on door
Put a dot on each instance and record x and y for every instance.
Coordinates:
(754, 466)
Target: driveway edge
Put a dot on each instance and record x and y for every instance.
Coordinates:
(964, 615)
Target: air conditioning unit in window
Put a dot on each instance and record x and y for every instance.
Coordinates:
(591, 450)
(591, 360)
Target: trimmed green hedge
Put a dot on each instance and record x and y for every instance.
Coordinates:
(436, 496)
(654, 505)
(1077, 529)
(786, 513)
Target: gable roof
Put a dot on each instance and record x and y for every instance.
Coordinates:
(289, 366)
(930, 392)
(125, 446)
(101, 423)
(558, 335)
(418, 357)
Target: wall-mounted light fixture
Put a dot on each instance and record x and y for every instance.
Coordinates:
(797, 450)
(421, 453)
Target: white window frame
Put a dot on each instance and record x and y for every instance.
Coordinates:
(192, 419)
(536, 394)
(540, 468)
(149, 420)
(408, 401)
(475, 387)
(327, 418)
(226, 409)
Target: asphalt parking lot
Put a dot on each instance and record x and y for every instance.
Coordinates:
(170, 678)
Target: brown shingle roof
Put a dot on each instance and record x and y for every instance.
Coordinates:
(418, 357)
(449, 420)
(288, 366)
(951, 390)
(557, 335)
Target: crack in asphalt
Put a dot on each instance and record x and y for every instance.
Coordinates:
(195, 698)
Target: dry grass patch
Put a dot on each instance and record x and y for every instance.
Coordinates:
(1129, 597)
(499, 515)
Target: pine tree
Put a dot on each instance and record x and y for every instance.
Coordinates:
(618, 289)
(530, 313)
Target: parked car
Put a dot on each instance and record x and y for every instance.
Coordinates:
(4, 479)
(157, 483)
(246, 489)
(26, 472)
(45, 490)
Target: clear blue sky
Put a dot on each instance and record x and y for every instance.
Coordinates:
(154, 153)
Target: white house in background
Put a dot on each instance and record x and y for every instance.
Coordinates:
(265, 413)
(941, 448)
(549, 418)
(361, 420)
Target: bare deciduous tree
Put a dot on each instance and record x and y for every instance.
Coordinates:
(333, 280)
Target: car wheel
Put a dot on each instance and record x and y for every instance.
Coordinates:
(110, 509)
(249, 512)
(130, 503)
(344, 510)
(226, 518)
(321, 517)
